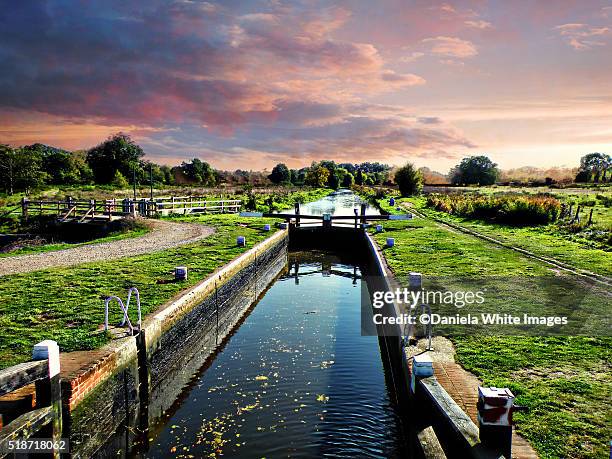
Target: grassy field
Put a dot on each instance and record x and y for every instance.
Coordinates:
(281, 199)
(564, 381)
(66, 304)
(544, 240)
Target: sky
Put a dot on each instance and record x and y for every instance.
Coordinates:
(248, 84)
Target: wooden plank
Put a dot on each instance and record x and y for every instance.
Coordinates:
(25, 425)
(459, 422)
(430, 445)
(21, 375)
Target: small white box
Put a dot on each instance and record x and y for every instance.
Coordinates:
(180, 273)
(495, 406)
(422, 366)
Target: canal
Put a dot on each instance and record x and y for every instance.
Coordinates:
(296, 379)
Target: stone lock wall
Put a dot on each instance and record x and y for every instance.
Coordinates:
(137, 378)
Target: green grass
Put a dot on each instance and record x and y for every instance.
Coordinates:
(66, 304)
(565, 382)
(544, 240)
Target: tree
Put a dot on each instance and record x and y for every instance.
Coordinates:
(475, 170)
(409, 180)
(117, 153)
(317, 176)
(119, 180)
(360, 177)
(8, 160)
(199, 172)
(280, 174)
(594, 166)
(348, 181)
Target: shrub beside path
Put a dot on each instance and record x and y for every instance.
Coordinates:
(163, 235)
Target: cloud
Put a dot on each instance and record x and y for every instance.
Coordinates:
(479, 24)
(582, 36)
(450, 46)
(407, 79)
(412, 56)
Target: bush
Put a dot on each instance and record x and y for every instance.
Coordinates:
(509, 209)
(409, 180)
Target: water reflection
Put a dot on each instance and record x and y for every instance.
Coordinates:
(341, 202)
(297, 378)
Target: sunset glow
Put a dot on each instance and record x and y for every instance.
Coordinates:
(248, 84)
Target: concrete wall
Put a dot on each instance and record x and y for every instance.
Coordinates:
(135, 379)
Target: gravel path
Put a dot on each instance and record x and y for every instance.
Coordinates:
(163, 235)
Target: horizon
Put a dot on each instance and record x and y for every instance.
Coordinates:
(247, 85)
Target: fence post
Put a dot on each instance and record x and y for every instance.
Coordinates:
(590, 217)
(24, 208)
(49, 390)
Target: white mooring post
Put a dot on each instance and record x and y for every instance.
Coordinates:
(49, 390)
(422, 367)
(495, 406)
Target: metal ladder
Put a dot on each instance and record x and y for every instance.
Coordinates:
(124, 308)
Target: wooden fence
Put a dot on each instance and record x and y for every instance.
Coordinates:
(195, 204)
(109, 209)
(46, 418)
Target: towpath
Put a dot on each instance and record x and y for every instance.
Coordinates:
(163, 235)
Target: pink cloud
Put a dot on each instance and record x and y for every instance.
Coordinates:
(479, 24)
(583, 36)
(451, 46)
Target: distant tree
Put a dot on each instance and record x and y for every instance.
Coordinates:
(119, 180)
(360, 177)
(298, 176)
(433, 177)
(409, 180)
(594, 166)
(199, 172)
(475, 170)
(348, 181)
(117, 153)
(8, 165)
(317, 176)
(60, 165)
(280, 174)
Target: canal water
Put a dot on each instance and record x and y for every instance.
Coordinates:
(341, 202)
(296, 379)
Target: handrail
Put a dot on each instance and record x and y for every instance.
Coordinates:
(127, 306)
(124, 308)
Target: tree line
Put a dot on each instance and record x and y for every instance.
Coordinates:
(118, 161)
(328, 174)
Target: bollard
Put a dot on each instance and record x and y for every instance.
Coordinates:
(415, 281)
(379, 228)
(49, 389)
(266, 227)
(422, 367)
(398, 208)
(180, 273)
(391, 201)
(495, 418)
(241, 241)
(282, 225)
(390, 242)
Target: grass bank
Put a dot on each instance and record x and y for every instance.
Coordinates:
(66, 304)
(564, 381)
